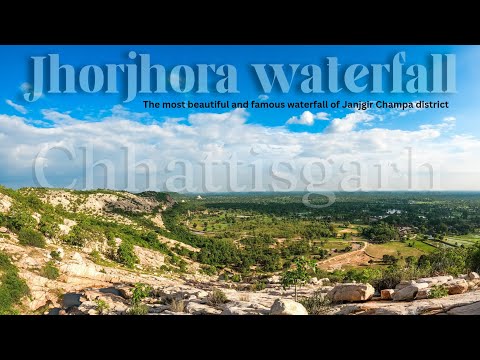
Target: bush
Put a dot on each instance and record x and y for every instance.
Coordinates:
(55, 255)
(389, 278)
(208, 270)
(217, 297)
(12, 287)
(317, 304)
(50, 271)
(138, 309)
(140, 292)
(236, 278)
(31, 237)
(258, 286)
(474, 258)
(126, 254)
(438, 291)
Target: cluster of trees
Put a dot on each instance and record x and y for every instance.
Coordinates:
(381, 233)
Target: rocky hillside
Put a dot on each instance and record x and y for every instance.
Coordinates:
(108, 252)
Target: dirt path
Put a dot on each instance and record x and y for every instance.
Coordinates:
(352, 258)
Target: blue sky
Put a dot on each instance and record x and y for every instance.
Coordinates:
(58, 117)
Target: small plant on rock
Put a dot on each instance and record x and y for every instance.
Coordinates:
(217, 297)
(140, 292)
(102, 306)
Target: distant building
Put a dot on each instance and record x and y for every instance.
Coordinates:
(199, 197)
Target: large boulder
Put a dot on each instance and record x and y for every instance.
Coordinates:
(457, 286)
(351, 292)
(287, 307)
(387, 294)
(408, 293)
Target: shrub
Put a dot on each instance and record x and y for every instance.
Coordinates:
(217, 297)
(177, 306)
(12, 287)
(389, 278)
(50, 271)
(438, 291)
(140, 292)
(236, 278)
(208, 270)
(55, 255)
(138, 309)
(102, 306)
(31, 237)
(474, 258)
(258, 286)
(317, 304)
(126, 254)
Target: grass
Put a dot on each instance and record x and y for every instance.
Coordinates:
(393, 247)
(336, 244)
(177, 306)
(138, 309)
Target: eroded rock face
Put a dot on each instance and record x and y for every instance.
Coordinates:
(287, 307)
(351, 292)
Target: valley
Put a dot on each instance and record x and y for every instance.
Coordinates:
(115, 252)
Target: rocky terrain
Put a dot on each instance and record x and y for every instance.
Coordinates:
(88, 282)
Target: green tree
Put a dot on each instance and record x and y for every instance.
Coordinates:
(299, 275)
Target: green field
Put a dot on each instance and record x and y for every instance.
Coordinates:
(465, 240)
(395, 247)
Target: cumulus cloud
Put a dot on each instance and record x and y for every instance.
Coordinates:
(227, 137)
(263, 97)
(21, 109)
(349, 122)
(307, 118)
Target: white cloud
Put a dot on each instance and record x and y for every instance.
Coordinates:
(219, 137)
(21, 109)
(448, 123)
(349, 122)
(263, 97)
(307, 118)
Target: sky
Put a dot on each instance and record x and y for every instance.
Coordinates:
(56, 140)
